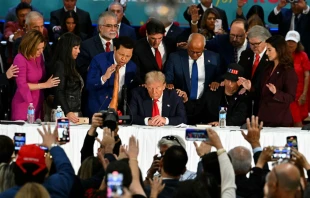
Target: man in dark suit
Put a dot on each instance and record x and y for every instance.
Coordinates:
(193, 71)
(202, 7)
(254, 62)
(297, 18)
(155, 105)
(100, 77)
(172, 30)
(123, 29)
(151, 53)
(232, 44)
(57, 17)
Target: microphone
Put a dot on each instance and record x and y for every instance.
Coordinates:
(252, 108)
(106, 97)
(38, 121)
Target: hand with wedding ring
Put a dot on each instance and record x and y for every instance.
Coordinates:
(52, 82)
(109, 72)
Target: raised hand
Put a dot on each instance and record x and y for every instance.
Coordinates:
(245, 83)
(253, 134)
(156, 186)
(202, 149)
(48, 136)
(133, 148)
(109, 72)
(108, 141)
(214, 139)
(264, 157)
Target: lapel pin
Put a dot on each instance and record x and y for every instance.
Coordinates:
(277, 72)
(168, 105)
(209, 61)
(248, 58)
(235, 98)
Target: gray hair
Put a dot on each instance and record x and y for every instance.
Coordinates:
(116, 3)
(6, 177)
(103, 15)
(155, 76)
(164, 141)
(31, 16)
(241, 159)
(195, 34)
(259, 32)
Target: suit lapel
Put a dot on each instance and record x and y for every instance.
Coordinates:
(185, 67)
(165, 109)
(99, 44)
(261, 65)
(147, 104)
(149, 54)
(110, 62)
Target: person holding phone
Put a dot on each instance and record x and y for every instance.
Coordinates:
(68, 93)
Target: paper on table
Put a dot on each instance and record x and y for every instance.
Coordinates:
(182, 126)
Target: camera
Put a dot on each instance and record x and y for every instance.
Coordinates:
(110, 118)
(292, 1)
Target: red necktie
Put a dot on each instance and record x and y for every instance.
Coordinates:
(158, 58)
(155, 111)
(107, 47)
(256, 62)
(116, 34)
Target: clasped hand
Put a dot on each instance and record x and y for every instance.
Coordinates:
(157, 121)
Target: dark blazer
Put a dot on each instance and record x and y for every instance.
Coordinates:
(173, 32)
(246, 61)
(100, 96)
(177, 70)
(274, 109)
(141, 106)
(126, 30)
(89, 49)
(85, 23)
(68, 91)
(283, 19)
(200, 12)
(144, 57)
(236, 111)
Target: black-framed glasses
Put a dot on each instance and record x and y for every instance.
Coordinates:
(236, 36)
(110, 25)
(256, 44)
(173, 138)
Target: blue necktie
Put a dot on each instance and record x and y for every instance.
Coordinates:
(194, 81)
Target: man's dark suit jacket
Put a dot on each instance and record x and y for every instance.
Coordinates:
(85, 23)
(200, 12)
(283, 19)
(177, 70)
(246, 61)
(144, 57)
(173, 32)
(237, 109)
(89, 49)
(126, 30)
(171, 186)
(141, 105)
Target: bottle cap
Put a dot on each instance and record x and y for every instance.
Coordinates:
(31, 103)
(58, 106)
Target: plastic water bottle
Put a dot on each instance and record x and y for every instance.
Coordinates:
(30, 114)
(58, 113)
(222, 118)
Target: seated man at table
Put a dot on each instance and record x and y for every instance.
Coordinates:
(154, 105)
(228, 97)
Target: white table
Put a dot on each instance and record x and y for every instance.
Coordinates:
(149, 136)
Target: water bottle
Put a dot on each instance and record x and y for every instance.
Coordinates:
(58, 113)
(222, 118)
(30, 114)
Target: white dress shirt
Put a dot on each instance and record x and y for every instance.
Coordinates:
(201, 73)
(104, 43)
(168, 28)
(160, 107)
(242, 48)
(162, 51)
(260, 55)
(119, 27)
(67, 10)
(205, 8)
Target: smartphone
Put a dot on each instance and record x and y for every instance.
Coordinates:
(218, 25)
(115, 185)
(63, 126)
(196, 135)
(291, 141)
(19, 141)
(281, 152)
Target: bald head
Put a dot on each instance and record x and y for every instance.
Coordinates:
(196, 43)
(241, 159)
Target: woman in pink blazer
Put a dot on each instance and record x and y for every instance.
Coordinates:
(30, 80)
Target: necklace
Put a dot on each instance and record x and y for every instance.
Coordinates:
(226, 100)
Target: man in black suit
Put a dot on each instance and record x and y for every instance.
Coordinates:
(57, 17)
(172, 30)
(254, 62)
(151, 53)
(154, 105)
(296, 18)
(202, 7)
(123, 29)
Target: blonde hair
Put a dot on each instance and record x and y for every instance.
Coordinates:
(155, 76)
(32, 190)
(6, 177)
(31, 40)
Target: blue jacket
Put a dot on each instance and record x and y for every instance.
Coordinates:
(126, 30)
(59, 184)
(100, 96)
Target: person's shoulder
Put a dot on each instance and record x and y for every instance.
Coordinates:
(218, 9)
(19, 57)
(128, 27)
(140, 45)
(89, 42)
(209, 53)
(81, 11)
(10, 192)
(54, 12)
(102, 56)
(138, 91)
(12, 10)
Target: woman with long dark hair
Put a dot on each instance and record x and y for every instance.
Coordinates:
(279, 82)
(68, 92)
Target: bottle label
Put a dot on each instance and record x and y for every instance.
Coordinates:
(31, 111)
(59, 115)
(223, 116)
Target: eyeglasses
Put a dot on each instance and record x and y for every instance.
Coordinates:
(255, 44)
(171, 137)
(192, 52)
(110, 25)
(236, 36)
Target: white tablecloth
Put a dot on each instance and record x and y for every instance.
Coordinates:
(149, 136)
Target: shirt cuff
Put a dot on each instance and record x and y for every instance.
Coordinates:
(306, 11)
(102, 82)
(11, 38)
(167, 121)
(257, 149)
(146, 121)
(276, 12)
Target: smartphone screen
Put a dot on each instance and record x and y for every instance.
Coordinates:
(196, 135)
(291, 141)
(218, 25)
(19, 141)
(63, 130)
(115, 185)
(281, 153)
